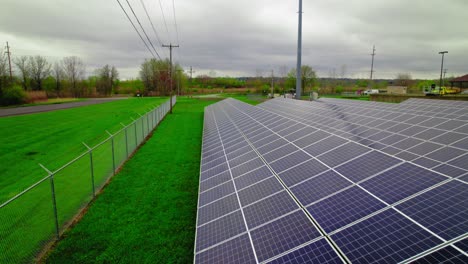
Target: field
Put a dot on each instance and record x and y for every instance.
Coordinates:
(53, 139)
(147, 214)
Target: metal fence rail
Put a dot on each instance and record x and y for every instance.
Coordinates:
(40, 214)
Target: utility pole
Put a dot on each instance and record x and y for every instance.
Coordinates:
(441, 68)
(372, 64)
(299, 55)
(272, 84)
(443, 79)
(191, 72)
(170, 46)
(9, 60)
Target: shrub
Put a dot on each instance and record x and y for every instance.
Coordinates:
(13, 96)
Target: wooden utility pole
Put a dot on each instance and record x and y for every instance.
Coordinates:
(191, 72)
(372, 64)
(9, 59)
(272, 84)
(170, 46)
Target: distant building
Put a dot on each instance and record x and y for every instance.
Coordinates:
(460, 82)
(396, 89)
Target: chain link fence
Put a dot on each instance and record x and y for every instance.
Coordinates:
(36, 217)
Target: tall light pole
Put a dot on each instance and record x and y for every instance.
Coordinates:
(441, 69)
(299, 55)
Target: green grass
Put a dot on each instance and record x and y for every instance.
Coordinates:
(337, 96)
(53, 139)
(147, 214)
(245, 98)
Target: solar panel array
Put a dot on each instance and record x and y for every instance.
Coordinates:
(333, 181)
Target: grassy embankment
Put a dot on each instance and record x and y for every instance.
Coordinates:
(147, 214)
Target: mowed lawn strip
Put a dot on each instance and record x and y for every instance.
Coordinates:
(147, 213)
(55, 138)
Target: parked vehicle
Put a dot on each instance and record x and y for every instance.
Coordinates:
(437, 90)
(370, 91)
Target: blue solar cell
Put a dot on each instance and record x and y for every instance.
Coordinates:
(442, 210)
(445, 255)
(392, 139)
(217, 209)
(302, 172)
(259, 191)
(426, 163)
(310, 139)
(391, 150)
(264, 141)
(451, 125)
(401, 182)
(238, 152)
(215, 181)
(342, 154)
(211, 164)
(216, 193)
(220, 230)
(445, 154)
(463, 144)
(287, 162)
(448, 138)
(429, 133)
(387, 237)
(449, 170)
(424, 148)
(246, 167)
(300, 133)
(461, 162)
(238, 251)
(319, 187)
(325, 145)
(368, 165)
(319, 252)
(282, 235)
(344, 208)
(269, 209)
(405, 155)
(272, 146)
(463, 245)
(242, 159)
(280, 152)
(407, 143)
(290, 129)
(252, 177)
(412, 130)
(213, 171)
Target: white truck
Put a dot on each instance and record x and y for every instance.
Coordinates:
(371, 91)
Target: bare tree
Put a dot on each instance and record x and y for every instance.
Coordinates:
(4, 73)
(59, 75)
(403, 79)
(24, 69)
(39, 69)
(74, 71)
(106, 79)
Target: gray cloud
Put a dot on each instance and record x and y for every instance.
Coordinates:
(240, 37)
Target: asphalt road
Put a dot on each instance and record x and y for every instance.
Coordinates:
(46, 108)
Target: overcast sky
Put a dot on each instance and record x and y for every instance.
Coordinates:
(247, 37)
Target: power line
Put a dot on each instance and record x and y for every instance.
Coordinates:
(164, 18)
(152, 25)
(129, 5)
(134, 27)
(176, 27)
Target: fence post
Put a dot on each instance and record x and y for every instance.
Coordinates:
(113, 152)
(136, 137)
(147, 124)
(142, 128)
(92, 168)
(54, 200)
(126, 138)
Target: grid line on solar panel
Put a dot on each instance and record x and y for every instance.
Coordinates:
(238, 250)
(386, 237)
(401, 182)
(317, 252)
(445, 255)
(442, 210)
(282, 235)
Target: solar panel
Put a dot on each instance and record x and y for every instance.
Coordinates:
(333, 181)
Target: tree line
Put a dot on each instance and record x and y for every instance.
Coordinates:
(64, 78)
